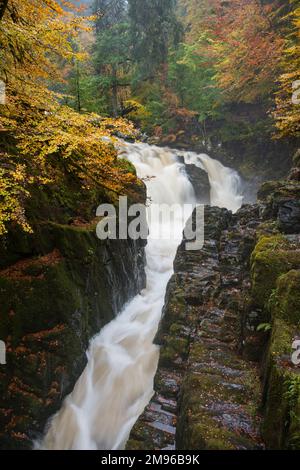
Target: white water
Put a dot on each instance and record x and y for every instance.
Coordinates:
(117, 382)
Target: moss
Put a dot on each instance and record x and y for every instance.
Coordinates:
(268, 228)
(206, 436)
(287, 305)
(31, 305)
(51, 303)
(174, 313)
(276, 289)
(198, 425)
(275, 190)
(268, 189)
(272, 257)
(133, 444)
(281, 339)
(281, 428)
(173, 348)
(127, 166)
(175, 329)
(274, 428)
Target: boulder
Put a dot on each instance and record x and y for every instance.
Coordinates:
(200, 182)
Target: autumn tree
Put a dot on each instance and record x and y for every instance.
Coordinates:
(42, 141)
(245, 43)
(287, 113)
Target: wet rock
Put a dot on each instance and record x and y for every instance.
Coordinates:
(230, 307)
(200, 182)
(204, 294)
(289, 216)
(51, 305)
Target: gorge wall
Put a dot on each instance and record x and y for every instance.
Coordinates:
(58, 287)
(226, 378)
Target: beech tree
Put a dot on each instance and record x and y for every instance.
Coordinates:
(47, 141)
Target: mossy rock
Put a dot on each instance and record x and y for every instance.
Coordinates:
(273, 191)
(287, 302)
(206, 435)
(174, 348)
(272, 257)
(35, 304)
(52, 301)
(200, 426)
(281, 427)
(268, 189)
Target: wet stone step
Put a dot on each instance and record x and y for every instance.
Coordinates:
(167, 384)
(218, 369)
(160, 416)
(163, 427)
(167, 405)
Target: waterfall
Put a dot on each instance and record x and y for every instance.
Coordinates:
(117, 382)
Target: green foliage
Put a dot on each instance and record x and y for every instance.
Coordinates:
(44, 142)
(112, 61)
(191, 76)
(264, 327)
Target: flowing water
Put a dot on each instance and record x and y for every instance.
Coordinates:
(117, 382)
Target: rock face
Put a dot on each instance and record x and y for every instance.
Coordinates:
(200, 182)
(51, 305)
(206, 394)
(226, 379)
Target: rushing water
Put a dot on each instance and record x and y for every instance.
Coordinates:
(117, 382)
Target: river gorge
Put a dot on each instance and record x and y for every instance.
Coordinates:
(117, 383)
(163, 320)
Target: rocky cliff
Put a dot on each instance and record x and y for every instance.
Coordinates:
(226, 379)
(58, 287)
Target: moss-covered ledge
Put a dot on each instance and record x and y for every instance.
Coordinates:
(281, 427)
(276, 289)
(273, 256)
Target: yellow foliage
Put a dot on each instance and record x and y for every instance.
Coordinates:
(48, 140)
(287, 113)
(139, 112)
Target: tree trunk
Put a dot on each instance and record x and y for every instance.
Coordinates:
(114, 91)
(3, 6)
(78, 87)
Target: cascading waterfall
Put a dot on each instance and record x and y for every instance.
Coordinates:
(225, 183)
(117, 382)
